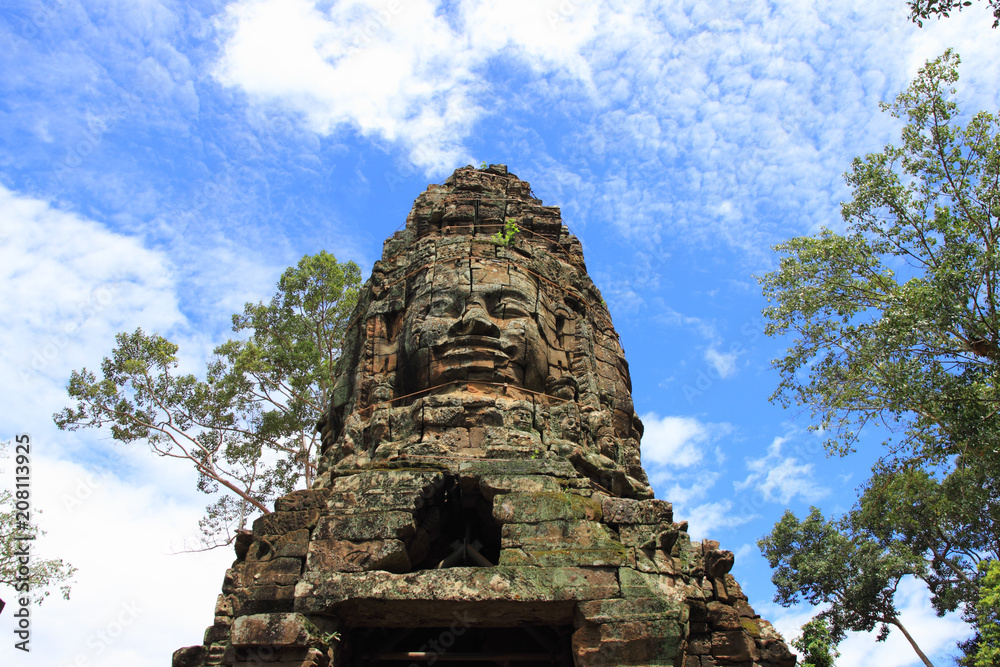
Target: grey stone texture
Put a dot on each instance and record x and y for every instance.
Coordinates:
(481, 462)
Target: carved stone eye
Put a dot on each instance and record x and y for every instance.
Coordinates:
(446, 305)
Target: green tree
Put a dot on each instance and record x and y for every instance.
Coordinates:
(894, 324)
(826, 562)
(948, 521)
(923, 9)
(249, 427)
(816, 645)
(19, 531)
(896, 321)
(988, 649)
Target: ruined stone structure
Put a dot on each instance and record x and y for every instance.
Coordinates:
(480, 498)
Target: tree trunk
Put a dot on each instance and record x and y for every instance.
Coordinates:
(916, 648)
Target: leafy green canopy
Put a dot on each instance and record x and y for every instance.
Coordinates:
(923, 9)
(988, 649)
(249, 427)
(896, 321)
(826, 562)
(895, 324)
(817, 645)
(43, 573)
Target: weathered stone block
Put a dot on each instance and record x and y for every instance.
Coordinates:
(231, 580)
(643, 643)
(733, 588)
(369, 526)
(303, 499)
(699, 645)
(548, 467)
(347, 556)
(492, 485)
(223, 605)
(292, 545)
(566, 557)
(268, 598)
(628, 609)
(628, 511)
(544, 506)
(216, 632)
(275, 630)
(734, 645)
(776, 651)
(723, 617)
(280, 523)
(358, 502)
(323, 592)
(277, 571)
(189, 656)
(718, 563)
(637, 584)
(549, 534)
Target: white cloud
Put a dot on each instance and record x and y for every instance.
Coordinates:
(677, 441)
(780, 478)
(69, 285)
(402, 71)
(724, 364)
(706, 519)
(131, 598)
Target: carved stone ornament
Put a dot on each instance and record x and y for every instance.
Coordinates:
(480, 498)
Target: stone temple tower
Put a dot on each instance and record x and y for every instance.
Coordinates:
(480, 498)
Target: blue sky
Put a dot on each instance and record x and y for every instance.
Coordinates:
(162, 162)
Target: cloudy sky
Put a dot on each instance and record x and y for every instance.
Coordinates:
(162, 162)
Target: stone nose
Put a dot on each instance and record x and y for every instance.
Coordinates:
(476, 321)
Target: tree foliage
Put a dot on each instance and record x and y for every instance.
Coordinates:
(43, 573)
(988, 649)
(816, 645)
(947, 521)
(827, 562)
(896, 321)
(894, 324)
(249, 427)
(924, 9)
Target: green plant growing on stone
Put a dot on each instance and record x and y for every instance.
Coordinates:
(483, 165)
(505, 236)
(248, 427)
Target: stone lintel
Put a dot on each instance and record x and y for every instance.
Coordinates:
(365, 593)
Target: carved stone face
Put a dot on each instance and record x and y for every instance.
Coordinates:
(481, 330)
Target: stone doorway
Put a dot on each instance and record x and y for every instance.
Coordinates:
(457, 646)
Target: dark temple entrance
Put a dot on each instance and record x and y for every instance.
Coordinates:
(457, 645)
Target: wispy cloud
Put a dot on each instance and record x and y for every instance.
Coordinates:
(69, 285)
(780, 477)
(677, 441)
